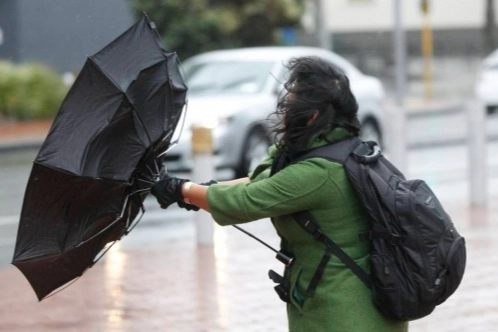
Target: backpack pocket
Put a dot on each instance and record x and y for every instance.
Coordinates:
(451, 275)
(385, 288)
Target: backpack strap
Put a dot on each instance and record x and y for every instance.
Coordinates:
(338, 151)
(306, 220)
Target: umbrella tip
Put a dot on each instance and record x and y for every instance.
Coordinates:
(151, 23)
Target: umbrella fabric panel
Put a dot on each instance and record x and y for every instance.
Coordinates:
(150, 92)
(136, 49)
(178, 89)
(157, 87)
(49, 272)
(115, 151)
(61, 210)
(89, 107)
(178, 85)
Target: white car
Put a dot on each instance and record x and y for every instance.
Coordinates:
(234, 91)
(487, 82)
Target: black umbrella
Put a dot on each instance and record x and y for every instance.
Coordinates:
(100, 158)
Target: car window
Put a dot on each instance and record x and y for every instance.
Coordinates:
(284, 75)
(490, 67)
(227, 77)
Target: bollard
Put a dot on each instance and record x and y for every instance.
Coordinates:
(203, 170)
(477, 153)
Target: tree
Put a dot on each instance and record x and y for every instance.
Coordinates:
(194, 26)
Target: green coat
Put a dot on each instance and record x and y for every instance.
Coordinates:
(341, 302)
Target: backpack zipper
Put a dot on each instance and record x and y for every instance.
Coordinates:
(451, 252)
(438, 279)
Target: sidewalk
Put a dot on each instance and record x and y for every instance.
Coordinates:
(15, 135)
(177, 286)
(171, 284)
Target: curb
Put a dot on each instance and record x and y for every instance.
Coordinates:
(12, 146)
(451, 108)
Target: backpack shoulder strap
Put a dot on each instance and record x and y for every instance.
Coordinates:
(339, 152)
(306, 220)
(336, 151)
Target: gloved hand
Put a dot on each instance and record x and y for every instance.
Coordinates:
(188, 207)
(168, 190)
(192, 207)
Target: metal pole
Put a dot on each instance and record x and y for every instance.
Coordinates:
(323, 35)
(427, 49)
(477, 153)
(202, 148)
(397, 117)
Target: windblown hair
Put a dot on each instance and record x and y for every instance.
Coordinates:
(313, 85)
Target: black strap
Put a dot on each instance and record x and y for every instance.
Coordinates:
(308, 223)
(319, 272)
(338, 151)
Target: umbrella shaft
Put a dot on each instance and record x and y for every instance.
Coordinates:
(256, 238)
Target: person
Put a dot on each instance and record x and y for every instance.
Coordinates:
(318, 108)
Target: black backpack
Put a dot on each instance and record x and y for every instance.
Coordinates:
(417, 256)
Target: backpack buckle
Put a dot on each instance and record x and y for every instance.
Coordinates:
(283, 287)
(318, 235)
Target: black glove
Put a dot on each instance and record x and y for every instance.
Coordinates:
(192, 207)
(188, 207)
(168, 190)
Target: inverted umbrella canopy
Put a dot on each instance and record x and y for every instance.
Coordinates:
(100, 158)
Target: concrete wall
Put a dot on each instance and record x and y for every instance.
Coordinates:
(371, 15)
(10, 32)
(61, 33)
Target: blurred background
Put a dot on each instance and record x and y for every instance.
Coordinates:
(425, 73)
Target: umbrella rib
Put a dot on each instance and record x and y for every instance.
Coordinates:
(62, 288)
(108, 226)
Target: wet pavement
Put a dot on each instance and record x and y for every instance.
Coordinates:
(171, 284)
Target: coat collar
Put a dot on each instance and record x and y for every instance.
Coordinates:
(336, 134)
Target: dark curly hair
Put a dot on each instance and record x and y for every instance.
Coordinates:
(313, 85)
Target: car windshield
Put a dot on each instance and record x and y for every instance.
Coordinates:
(491, 67)
(227, 77)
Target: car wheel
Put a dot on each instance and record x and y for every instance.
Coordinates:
(255, 151)
(370, 132)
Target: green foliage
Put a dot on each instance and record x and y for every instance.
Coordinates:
(29, 91)
(190, 27)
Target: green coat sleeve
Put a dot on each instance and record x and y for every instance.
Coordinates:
(293, 189)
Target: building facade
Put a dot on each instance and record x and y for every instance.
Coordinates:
(59, 33)
(362, 31)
